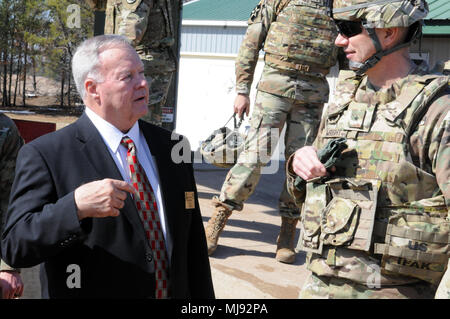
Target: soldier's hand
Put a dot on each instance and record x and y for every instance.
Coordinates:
(101, 198)
(306, 164)
(11, 285)
(242, 104)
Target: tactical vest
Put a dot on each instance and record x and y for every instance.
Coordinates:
(378, 201)
(303, 33)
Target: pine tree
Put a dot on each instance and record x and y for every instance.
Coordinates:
(39, 36)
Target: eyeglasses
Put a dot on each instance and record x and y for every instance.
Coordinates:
(349, 28)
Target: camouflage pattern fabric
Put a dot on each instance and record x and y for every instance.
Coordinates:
(381, 14)
(403, 142)
(10, 143)
(147, 24)
(320, 287)
(311, 34)
(285, 95)
(269, 116)
(264, 29)
(307, 88)
(223, 146)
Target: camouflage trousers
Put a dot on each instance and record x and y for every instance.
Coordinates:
(159, 71)
(322, 287)
(270, 114)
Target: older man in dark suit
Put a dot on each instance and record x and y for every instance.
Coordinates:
(101, 203)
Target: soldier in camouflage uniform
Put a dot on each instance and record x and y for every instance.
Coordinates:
(376, 225)
(11, 285)
(148, 25)
(297, 37)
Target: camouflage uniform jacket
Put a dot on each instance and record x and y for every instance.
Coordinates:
(299, 22)
(148, 25)
(131, 19)
(403, 209)
(10, 143)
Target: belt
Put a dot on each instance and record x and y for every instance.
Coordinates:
(296, 66)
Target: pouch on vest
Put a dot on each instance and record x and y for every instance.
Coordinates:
(345, 220)
(416, 245)
(315, 202)
(352, 213)
(339, 221)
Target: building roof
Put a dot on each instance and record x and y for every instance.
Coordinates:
(438, 19)
(436, 23)
(439, 9)
(220, 10)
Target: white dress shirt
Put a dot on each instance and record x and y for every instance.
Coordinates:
(112, 137)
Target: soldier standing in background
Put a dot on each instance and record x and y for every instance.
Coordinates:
(377, 224)
(297, 37)
(11, 285)
(148, 24)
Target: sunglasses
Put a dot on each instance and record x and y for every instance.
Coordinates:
(349, 28)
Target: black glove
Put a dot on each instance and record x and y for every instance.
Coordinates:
(328, 156)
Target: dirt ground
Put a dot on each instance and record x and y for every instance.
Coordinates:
(43, 109)
(59, 120)
(43, 102)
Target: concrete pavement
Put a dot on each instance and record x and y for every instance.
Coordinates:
(244, 265)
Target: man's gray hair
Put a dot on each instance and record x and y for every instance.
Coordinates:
(85, 61)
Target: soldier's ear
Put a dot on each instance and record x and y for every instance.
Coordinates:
(390, 37)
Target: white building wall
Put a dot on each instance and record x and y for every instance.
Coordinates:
(217, 37)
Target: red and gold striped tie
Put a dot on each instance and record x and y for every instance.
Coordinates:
(148, 212)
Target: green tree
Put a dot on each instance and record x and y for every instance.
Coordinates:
(39, 36)
(69, 24)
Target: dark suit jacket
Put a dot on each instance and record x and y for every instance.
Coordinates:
(112, 253)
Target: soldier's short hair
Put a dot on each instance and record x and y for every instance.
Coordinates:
(85, 61)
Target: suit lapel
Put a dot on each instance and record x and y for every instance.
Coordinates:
(95, 150)
(97, 154)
